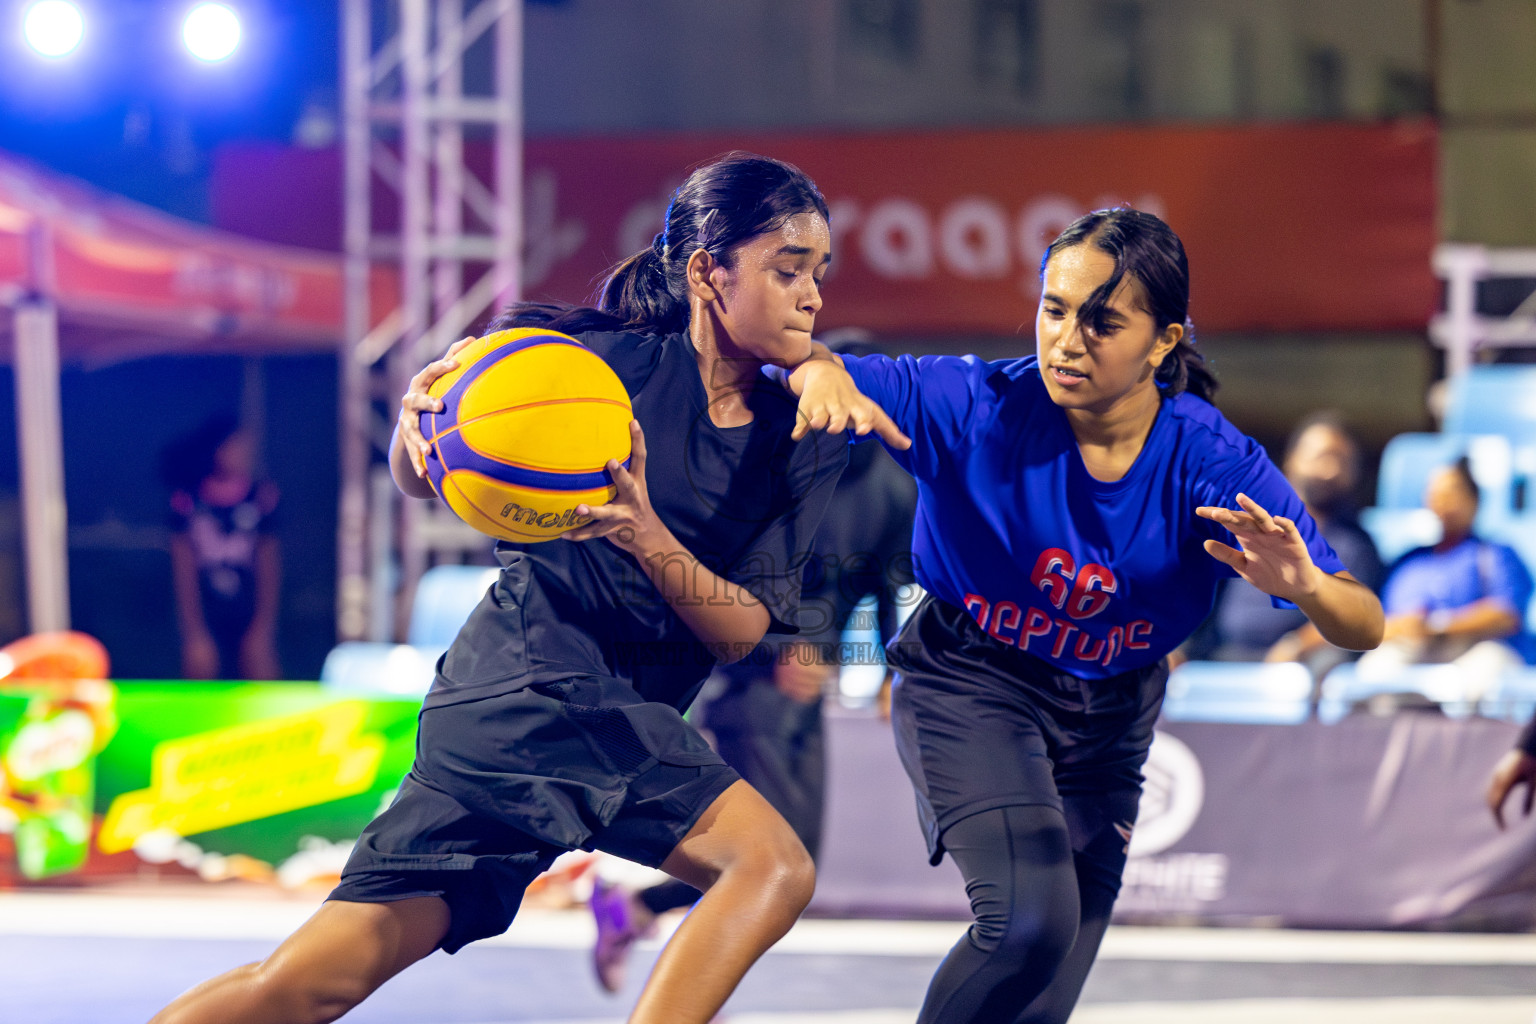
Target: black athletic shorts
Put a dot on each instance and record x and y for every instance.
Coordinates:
(981, 725)
(503, 785)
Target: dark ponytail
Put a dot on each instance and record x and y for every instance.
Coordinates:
(1147, 250)
(722, 204)
(1462, 469)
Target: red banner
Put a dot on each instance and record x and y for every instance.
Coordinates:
(1288, 227)
(1299, 227)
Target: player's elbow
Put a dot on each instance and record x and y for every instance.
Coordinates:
(1371, 629)
(754, 626)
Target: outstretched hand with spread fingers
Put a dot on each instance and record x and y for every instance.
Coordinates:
(628, 521)
(1271, 554)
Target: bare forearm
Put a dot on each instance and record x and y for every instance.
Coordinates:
(722, 614)
(1487, 619)
(1345, 612)
(404, 472)
(795, 379)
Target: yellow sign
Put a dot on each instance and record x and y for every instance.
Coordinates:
(256, 770)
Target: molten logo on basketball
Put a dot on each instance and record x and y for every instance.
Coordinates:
(548, 520)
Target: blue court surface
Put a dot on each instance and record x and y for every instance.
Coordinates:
(101, 958)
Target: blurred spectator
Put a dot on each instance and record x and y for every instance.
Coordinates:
(767, 716)
(1461, 601)
(1322, 462)
(225, 560)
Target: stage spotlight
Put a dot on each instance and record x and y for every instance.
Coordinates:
(53, 27)
(211, 32)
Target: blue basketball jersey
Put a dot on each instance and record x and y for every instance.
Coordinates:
(1095, 578)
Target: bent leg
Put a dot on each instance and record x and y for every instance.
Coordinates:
(1019, 873)
(1101, 813)
(756, 878)
(332, 963)
(1055, 1004)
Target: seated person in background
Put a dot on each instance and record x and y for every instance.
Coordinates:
(1322, 462)
(1461, 601)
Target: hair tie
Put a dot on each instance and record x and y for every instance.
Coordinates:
(659, 244)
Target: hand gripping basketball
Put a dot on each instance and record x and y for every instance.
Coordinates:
(518, 427)
(416, 401)
(628, 521)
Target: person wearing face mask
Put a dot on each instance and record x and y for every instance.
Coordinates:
(1076, 509)
(1322, 462)
(1459, 601)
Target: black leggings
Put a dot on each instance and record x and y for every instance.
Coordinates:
(1039, 921)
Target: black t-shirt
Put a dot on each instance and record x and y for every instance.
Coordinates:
(745, 501)
(225, 540)
(863, 546)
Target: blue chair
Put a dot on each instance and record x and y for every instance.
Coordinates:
(1237, 691)
(863, 658)
(1493, 400)
(1514, 698)
(1445, 685)
(1408, 461)
(1397, 531)
(361, 666)
(445, 596)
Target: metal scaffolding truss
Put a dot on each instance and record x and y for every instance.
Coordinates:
(1463, 329)
(408, 109)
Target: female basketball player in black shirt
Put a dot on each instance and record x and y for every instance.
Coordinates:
(555, 720)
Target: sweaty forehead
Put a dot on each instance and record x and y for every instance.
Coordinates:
(802, 231)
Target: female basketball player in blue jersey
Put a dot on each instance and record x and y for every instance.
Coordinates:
(1076, 509)
(555, 720)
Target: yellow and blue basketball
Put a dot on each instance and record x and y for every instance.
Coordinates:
(530, 419)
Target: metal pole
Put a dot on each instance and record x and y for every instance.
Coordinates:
(1462, 266)
(40, 433)
(414, 265)
(509, 153)
(352, 592)
(448, 272)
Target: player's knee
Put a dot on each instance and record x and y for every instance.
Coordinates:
(310, 997)
(797, 875)
(1034, 936)
(782, 866)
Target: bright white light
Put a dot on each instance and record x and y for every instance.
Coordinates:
(53, 27)
(211, 32)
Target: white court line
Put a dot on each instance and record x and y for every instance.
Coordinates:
(1419, 1010)
(222, 917)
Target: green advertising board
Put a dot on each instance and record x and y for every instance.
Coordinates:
(248, 768)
